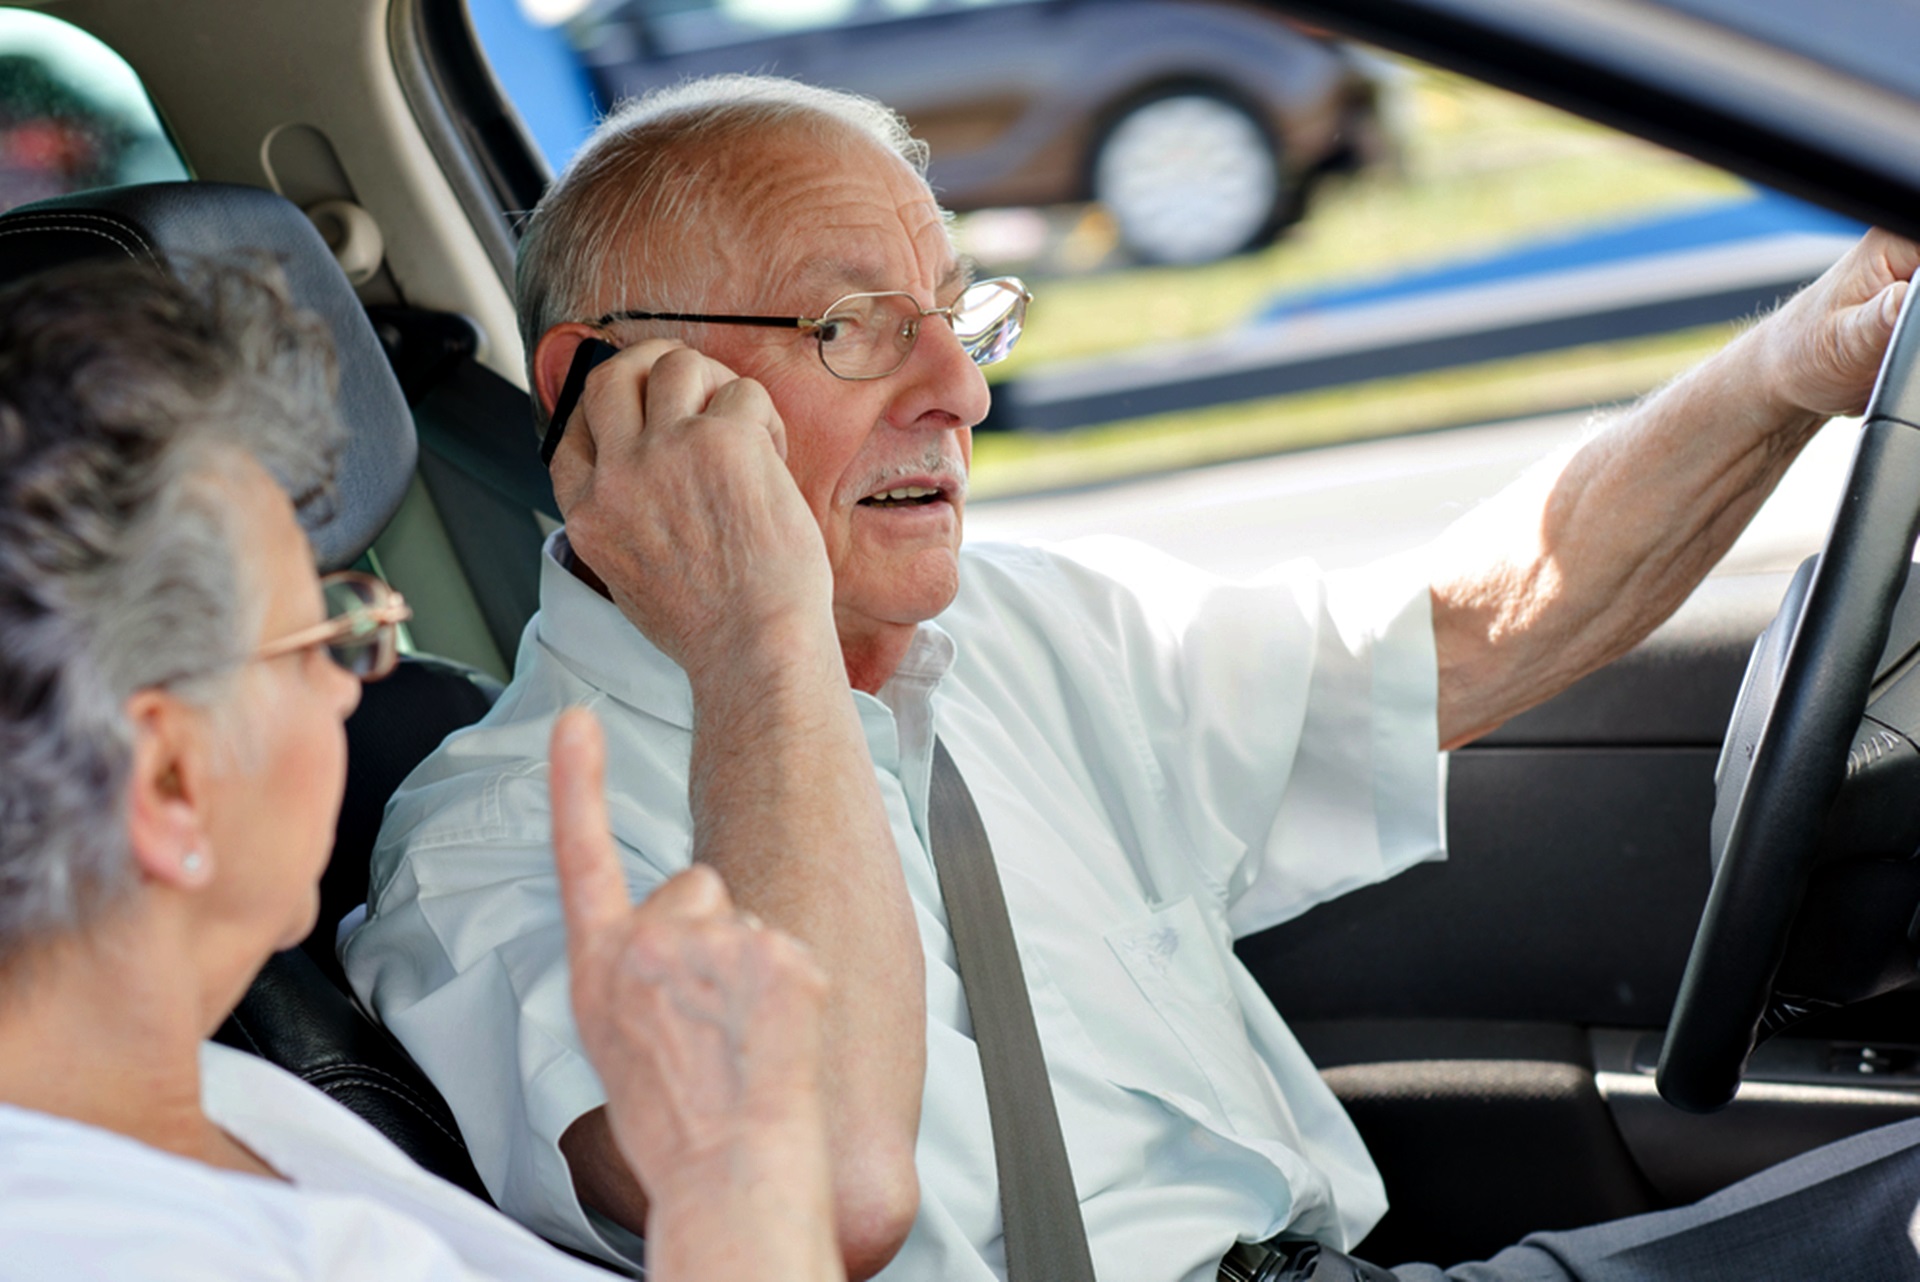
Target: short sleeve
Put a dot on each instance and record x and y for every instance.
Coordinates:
(1288, 723)
(463, 958)
(1366, 797)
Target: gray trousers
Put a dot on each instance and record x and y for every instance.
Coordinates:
(1848, 1212)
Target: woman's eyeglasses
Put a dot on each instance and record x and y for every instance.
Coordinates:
(864, 336)
(362, 628)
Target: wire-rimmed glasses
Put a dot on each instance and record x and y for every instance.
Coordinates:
(361, 630)
(870, 335)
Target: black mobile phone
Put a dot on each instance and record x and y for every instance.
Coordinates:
(586, 358)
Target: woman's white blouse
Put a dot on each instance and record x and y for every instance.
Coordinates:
(80, 1204)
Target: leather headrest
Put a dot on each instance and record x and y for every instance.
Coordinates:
(158, 223)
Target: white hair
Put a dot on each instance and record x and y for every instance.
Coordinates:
(127, 400)
(614, 224)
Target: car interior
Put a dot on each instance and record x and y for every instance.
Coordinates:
(1492, 1023)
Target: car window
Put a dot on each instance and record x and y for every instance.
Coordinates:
(1245, 259)
(72, 114)
(677, 26)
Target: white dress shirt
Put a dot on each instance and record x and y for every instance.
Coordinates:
(81, 1204)
(1163, 761)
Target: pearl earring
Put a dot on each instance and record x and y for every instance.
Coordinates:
(192, 863)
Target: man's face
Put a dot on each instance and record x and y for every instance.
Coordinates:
(825, 223)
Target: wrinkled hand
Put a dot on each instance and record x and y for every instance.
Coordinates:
(1824, 346)
(673, 484)
(703, 1025)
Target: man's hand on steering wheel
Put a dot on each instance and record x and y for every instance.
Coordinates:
(1825, 344)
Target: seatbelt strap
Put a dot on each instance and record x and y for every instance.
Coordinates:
(1039, 1211)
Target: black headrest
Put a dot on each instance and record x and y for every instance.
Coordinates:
(159, 223)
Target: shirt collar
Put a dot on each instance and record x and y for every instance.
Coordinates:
(899, 723)
(586, 633)
(590, 637)
(928, 659)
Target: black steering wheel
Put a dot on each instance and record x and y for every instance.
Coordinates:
(1787, 752)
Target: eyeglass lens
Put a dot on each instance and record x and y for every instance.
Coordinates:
(870, 335)
(368, 649)
(988, 320)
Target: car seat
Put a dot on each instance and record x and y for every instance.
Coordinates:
(298, 1013)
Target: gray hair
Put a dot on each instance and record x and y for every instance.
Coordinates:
(648, 174)
(125, 397)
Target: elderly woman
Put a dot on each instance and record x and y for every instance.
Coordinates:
(173, 680)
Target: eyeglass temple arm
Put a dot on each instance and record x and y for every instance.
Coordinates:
(395, 611)
(771, 322)
(1012, 284)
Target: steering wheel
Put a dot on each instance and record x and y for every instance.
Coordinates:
(1786, 753)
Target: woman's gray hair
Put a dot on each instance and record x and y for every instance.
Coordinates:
(126, 396)
(611, 230)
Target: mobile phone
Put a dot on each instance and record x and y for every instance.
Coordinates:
(586, 358)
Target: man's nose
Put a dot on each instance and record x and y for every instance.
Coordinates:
(939, 380)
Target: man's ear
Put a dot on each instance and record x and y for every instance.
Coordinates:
(553, 356)
(167, 791)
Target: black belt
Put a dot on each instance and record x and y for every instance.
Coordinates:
(1295, 1260)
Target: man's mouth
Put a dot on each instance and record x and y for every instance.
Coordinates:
(904, 496)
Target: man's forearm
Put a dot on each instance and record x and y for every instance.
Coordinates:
(705, 1029)
(1574, 564)
(676, 490)
(1570, 567)
(786, 807)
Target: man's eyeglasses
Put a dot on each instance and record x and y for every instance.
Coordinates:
(865, 336)
(362, 628)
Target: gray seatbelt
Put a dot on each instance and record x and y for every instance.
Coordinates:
(1039, 1212)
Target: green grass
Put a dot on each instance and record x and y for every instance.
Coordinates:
(1480, 171)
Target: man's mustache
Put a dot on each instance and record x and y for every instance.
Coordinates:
(936, 461)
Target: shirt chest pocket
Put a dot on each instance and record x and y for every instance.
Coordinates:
(1174, 959)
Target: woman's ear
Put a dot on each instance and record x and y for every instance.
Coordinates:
(167, 790)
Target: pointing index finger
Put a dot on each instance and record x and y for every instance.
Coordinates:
(593, 891)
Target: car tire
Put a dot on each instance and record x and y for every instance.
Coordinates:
(1191, 176)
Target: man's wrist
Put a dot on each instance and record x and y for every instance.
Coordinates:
(780, 651)
(1751, 386)
(1769, 356)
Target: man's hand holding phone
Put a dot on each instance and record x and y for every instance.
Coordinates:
(671, 475)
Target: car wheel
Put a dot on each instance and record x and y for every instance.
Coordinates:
(1190, 177)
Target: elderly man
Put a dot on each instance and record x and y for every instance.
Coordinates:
(761, 588)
